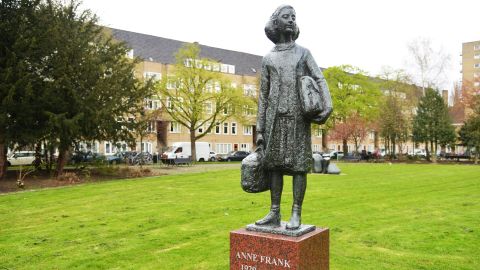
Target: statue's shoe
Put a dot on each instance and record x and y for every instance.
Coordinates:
(273, 219)
(295, 219)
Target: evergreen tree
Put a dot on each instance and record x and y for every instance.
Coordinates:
(63, 79)
(19, 50)
(470, 132)
(91, 90)
(432, 124)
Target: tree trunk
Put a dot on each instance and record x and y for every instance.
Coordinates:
(325, 140)
(375, 140)
(394, 146)
(61, 161)
(345, 146)
(427, 150)
(51, 157)
(193, 147)
(433, 152)
(355, 141)
(3, 160)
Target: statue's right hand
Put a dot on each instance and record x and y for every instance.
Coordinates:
(260, 142)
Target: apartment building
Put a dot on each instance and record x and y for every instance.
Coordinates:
(471, 63)
(158, 60)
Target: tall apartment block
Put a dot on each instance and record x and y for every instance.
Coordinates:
(471, 65)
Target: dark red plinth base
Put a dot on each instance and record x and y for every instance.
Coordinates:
(263, 251)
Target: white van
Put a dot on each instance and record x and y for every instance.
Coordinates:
(184, 150)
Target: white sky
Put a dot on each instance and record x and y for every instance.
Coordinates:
(366, 33)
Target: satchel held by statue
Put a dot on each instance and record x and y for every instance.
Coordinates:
(254, 176)
(310, 97)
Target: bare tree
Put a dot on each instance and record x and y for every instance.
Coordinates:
(430, 64)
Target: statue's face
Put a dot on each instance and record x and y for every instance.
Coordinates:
(286, 20)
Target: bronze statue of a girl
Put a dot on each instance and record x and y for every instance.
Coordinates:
(283, 130)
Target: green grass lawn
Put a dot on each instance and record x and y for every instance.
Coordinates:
(381, 217)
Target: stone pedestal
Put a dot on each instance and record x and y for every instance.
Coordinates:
(263, 251)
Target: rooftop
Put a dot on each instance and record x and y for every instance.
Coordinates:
(162, 50)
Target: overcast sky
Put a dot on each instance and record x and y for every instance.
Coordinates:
(366, 33)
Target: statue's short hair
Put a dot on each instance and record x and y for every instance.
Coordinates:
(271, 29)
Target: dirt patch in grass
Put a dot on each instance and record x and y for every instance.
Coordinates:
(72, 176)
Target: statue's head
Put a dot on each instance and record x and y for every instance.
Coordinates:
(282, 20)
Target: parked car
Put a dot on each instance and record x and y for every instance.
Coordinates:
(366, 155)
(21, 158)
(212, 156)
(233, 156)
(336, 155)
(418, 152)
(86, 157)
(351, 157)
(116, 158)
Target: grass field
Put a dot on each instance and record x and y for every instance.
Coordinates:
(381, 217)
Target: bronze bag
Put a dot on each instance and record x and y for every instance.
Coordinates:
(310, 98)
(254, 177)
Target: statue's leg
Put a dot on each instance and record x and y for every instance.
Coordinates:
(273, 218)
(299, 187)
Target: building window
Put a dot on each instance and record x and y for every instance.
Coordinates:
(169, 104)
(234, 128)
(476, 47)
(188, 62)
(476, 65)
(209, 87)
(89, 146)
(208, 107)
(152, 104)
(175, 127)
(476, 56)
(217, 128)
(151, 127)
(250, 90)
(146, 147)
(130, 54)
(247, 130)
(245, 147)
(218, 87)
(156, 76)
(121, 146)
(476, 84)
(248, 110)
(171, 82)
(216, 67)
(476, 75)
(231, 69)
(318, 132)
(316, 147)
(224, 68)
(223, 148)
(225, 128)
(198, 64)
(108, 148)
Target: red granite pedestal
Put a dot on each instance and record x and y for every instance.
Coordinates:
(263, 251)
